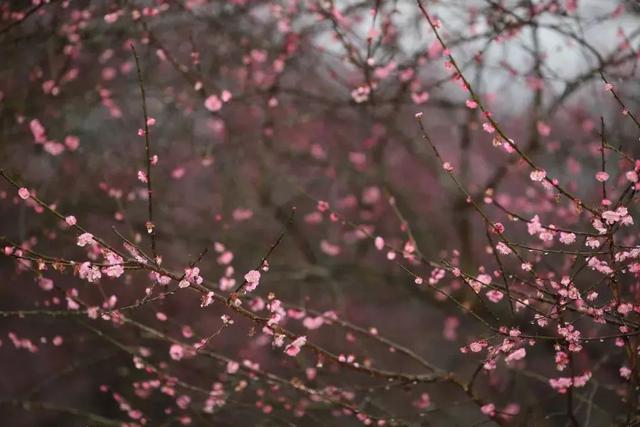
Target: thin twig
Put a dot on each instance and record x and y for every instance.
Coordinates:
(151, 228)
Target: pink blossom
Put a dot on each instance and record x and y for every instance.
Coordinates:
(142, 177)
(379, 243)
(562, 384)
(85, 239)
(191, 276)
(424, 402)
(323, 206)
(45, 284)
(562, 360)
(38, 131)
(294, 348)
(226, 96)
(625, 372)
(516, 355)
(475, 347)
(115, 266)
(240, 214)
(543, 128)
(420, 98)
(534, 226)
(494, 296)
(602, 176)
(70, 220)
(178, 173)
(225, 258)
(72, 142)
(213, 103)
(537, 175)
(253, 279)
(89, 272)
(489, 409)
(329, 248)
(503, 248)
(23, 193)
(232, 367)
(625, 308)
(313, 322)
(488, 127)
(567, 238)
(54, 148)
(176, 351)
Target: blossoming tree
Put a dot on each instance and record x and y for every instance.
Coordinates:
(321, 212)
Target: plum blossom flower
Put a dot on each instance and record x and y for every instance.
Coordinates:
(294, 348)
(71, 220)
(620, 215)
(543, 128)
(313, 322)
(361, 94)
(480, 281)
(207, 299)
(115, 268)
(602, 176)
(599, 265)
(323, 206)
(592, 242)
(191, 276)
(45, 283)
(475, 346)
(567, 238)
(503, 248)
(562, 360)
(176, 351)
(232, 367)
(420, 98)
(38, 131)
(89, 272)
(516, 355)
(72, 142)
(495, 296)
(534, 226)
(142, 177)
(424, 402)
(537, 175)
(23, 193)
(562, 384)
(213, 103)
(625, 372)
(379, 243)
(253, 280)
(625, 308)
(489, 409)
(329, 248)
(85, 239)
